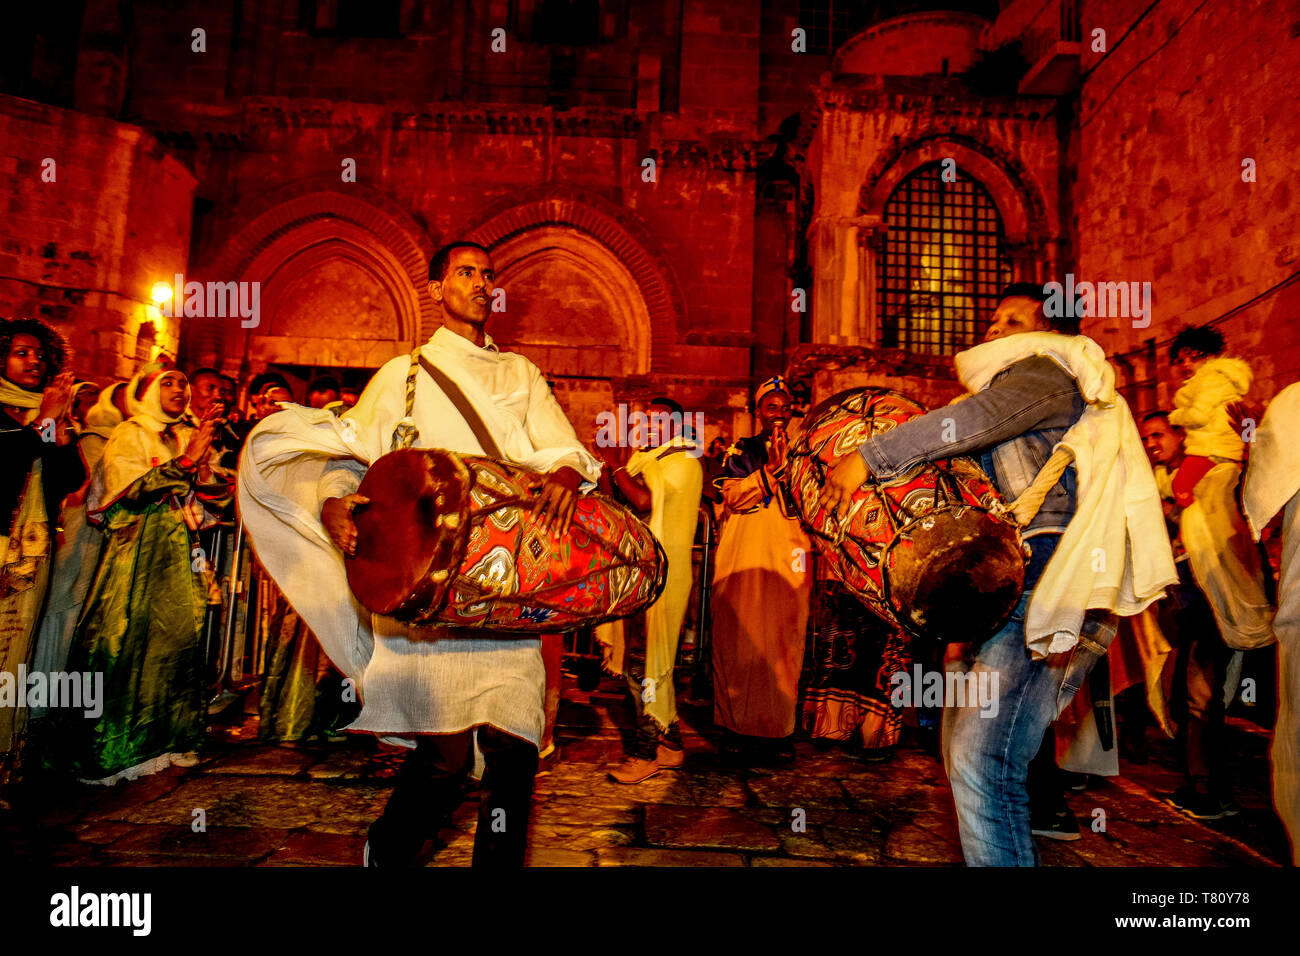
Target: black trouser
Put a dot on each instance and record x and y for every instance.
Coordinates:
(431, 785)
(645, 743)
(1200, 672)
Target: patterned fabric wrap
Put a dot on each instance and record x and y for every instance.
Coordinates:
(512, 577)
(858, 546)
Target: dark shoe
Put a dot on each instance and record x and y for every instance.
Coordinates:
(395, 851)
(1201, 806)
(878, 754)
(1055, 826)
(1075, 781)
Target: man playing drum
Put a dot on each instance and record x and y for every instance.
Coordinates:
(1042, 394)
(455, 693)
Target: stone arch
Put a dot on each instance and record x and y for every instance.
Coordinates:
(315, 226)
(618, 320)
(623, 252)
(1025, 218)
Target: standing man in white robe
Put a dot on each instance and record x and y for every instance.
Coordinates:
(456, 693)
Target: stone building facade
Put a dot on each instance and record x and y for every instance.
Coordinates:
(682, 197)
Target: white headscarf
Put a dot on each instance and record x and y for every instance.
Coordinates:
(147, 407)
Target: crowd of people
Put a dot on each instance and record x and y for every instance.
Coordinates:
(113, 495)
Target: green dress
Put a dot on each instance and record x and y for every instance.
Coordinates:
(141, 627)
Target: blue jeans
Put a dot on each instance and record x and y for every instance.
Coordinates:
(987, 749)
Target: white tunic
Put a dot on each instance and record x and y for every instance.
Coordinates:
(297, 458)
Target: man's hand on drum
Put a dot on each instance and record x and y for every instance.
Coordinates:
(844, 478)
(336, 516)
(557, 500)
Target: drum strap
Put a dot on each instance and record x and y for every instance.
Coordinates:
(457, 397)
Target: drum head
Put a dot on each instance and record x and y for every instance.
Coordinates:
(955, 575)
(412, 536)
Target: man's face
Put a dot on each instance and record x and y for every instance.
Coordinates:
(1187, 361)
(205, 390)
(1163, 445)
(666, 420)
(322, 397)
(228, 393)
(466, 292)
(774, 410)
(267, 402)
(1014, 315)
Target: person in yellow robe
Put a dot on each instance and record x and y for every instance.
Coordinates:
(761, 592)
(667, 480)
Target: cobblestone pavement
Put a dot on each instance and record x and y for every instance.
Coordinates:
(276, 806)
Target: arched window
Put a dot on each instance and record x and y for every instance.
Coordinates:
(941, 265)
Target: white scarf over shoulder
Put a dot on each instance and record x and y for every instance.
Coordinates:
(1273, 475)
(1115, 553)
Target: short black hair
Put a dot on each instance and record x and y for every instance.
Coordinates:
(205, 370)
(669, 404)
(324, 383)
(52, 342)
(266, 380)
(1197, 338)
(1064, 324)
(442, 258)
(1160, 413)
(1023, 290)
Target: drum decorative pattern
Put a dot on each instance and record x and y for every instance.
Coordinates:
(862, 547)
(512, 577)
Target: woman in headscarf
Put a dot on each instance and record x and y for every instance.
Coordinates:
(39, 465)
(79, 550)
(761, 592)
(142, 623)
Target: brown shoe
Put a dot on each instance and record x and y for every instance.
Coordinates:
(634, 770)
(669, 759)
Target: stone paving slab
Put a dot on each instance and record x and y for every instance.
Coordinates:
(648, 856)
(268, 805)
(240, 843)
(316, 848)
(675, 827)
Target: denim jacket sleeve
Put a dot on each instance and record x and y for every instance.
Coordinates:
(1031, 394)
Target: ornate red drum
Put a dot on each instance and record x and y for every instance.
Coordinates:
(446, 540)
(929, 550)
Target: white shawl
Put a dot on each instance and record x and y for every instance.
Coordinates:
(1273, 474)
(1115, 553)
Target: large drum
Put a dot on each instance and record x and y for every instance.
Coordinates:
(446, 540)
(928, 550)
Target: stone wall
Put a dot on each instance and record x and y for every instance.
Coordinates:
(83, 251)
(1184, 94)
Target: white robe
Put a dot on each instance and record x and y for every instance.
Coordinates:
(1273, 484)
(435, 684)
